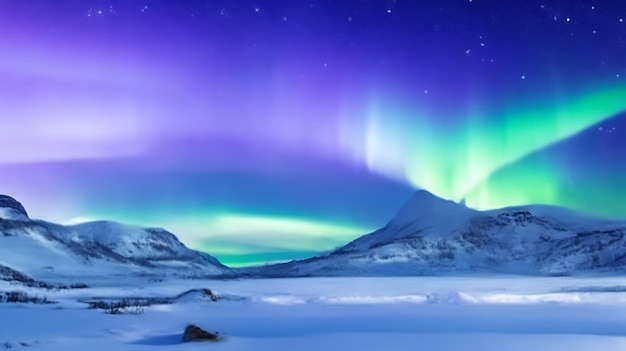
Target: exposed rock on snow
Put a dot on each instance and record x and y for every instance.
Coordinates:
(195, 333)
(10, 275)
(11, 209)
(197, 295)
(22, 297)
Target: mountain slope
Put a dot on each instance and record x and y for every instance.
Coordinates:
(48, 251)
(433, 236)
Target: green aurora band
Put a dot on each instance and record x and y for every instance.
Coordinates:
(486, 162)
(238, 239)
(266, 238)
(539, 180)
(491, 160)
(458, 162)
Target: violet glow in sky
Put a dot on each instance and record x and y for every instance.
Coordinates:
(268, 130)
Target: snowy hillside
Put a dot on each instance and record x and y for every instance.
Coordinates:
(39, 250)
(431, 236)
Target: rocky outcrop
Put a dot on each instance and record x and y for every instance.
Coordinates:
(10, 203)
(195, 333)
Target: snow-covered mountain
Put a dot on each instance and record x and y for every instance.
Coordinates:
(432, 236)
(39, 250)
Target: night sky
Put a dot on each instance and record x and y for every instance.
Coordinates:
(266, 130)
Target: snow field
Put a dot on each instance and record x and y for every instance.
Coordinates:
(443, 313)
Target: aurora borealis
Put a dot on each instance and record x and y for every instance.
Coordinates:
(266, 130)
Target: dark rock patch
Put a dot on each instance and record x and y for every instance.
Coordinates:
(203, 292)
(9, 202)
(195, 333)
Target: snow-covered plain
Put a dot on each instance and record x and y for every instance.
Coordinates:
(411, 313)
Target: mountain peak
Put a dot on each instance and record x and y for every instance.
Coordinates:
(11, 208)
(424, 203)
(424, 196)
(430, 235)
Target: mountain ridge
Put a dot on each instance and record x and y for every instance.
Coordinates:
(39, 250)
(427, 236)
(433, 236)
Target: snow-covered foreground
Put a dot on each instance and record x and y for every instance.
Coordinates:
(461, 313)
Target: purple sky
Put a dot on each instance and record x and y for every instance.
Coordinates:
(320, 117)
